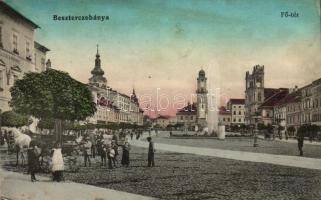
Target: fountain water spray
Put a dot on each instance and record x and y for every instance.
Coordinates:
(213, 98)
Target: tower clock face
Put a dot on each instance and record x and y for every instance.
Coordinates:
(258, 82)
(202, 84)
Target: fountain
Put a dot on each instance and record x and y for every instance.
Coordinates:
(213, 102)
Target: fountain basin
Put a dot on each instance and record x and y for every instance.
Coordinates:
(221, 132)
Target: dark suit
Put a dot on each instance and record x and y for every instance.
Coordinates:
(151, 151)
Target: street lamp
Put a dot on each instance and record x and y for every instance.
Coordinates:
(256, 118)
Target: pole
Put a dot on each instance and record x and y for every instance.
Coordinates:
(255, 135)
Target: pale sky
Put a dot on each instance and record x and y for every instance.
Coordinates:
(170, 41)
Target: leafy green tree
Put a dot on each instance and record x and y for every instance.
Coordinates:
(13, 119)
(45, 123)
(52, 94)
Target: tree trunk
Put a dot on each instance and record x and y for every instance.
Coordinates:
(58, 129)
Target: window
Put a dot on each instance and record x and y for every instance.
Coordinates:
(234, 120)
(191, 117)
(15, 43)
(239, 119)
(240, 113)
(228, 119)
(259, 97)
(1, 80)
(28, 50)
(42, 63)
(234, 112)
(223, 119)
(1, 45)
(181, 117)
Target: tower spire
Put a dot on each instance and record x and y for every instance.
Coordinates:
(98, 78)
(97, 50)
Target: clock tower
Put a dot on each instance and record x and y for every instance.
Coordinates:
(201, 100)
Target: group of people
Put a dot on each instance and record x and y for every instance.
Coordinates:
(102, 144)
(137, 135)
(56, 165)
(107, 147)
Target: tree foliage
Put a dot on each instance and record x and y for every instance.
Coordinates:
(52, 94)
(13, 119)
(45, 123)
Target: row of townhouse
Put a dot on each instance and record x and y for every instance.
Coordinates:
(112, 106)
(281, 106)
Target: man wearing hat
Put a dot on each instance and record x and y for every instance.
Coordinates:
(151, 151)
(87, 150)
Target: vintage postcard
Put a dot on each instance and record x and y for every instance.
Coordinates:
(160, 99)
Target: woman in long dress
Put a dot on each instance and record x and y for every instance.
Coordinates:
(125, 157)
(57, 163)
(33, 161)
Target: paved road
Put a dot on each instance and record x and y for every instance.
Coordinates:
(292, 161)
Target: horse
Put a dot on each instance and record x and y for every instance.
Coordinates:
(21, 141)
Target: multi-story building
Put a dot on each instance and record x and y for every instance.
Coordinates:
(187, 116)
(164, 120)
(292, 102)
(266, 109)
(316, 99)
(224, 117)
(19, 52)
(112, 106)
(286, 110)
(306, 104)
(236, 108)
(259, 101)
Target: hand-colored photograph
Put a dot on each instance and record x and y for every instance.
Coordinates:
(160, 99)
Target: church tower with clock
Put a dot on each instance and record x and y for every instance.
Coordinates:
(254, 92)
(201, 104)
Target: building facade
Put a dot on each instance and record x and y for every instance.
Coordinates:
(112, 106)
(187, 117)
(19, 52)
(237, 110)
(224, 117)
(260, 101)
(316, 99)
(254, 92)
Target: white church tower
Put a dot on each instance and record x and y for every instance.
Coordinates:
(202, 107)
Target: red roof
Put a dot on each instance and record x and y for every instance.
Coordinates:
(189, 109)
(268, 92)
(237, 101)
(164, 117)
(290, 98)
(223, 111)
(275, 98)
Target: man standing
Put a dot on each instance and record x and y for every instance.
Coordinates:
(87, 151)
(151, 151)
(300, 138)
